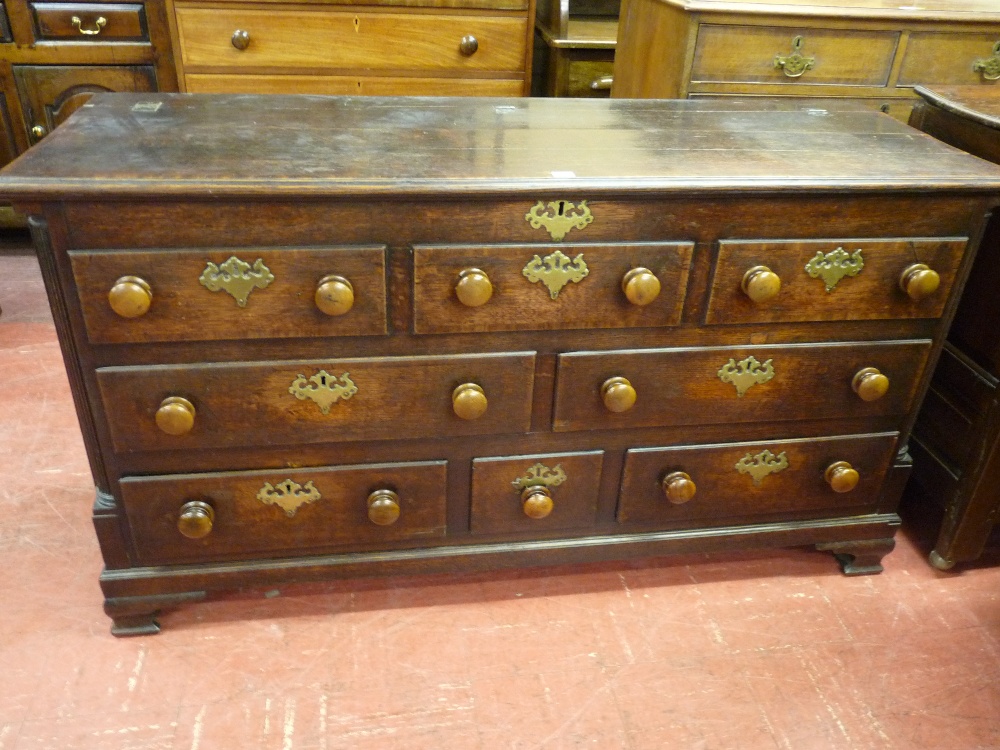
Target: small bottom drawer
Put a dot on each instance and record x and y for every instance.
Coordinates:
(235, 515)
(535, 493)
(748, 482)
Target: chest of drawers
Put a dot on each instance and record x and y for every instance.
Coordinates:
(454, 335)
(873, 51)
(379, 47)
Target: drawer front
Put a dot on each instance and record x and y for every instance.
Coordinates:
(764, 54)
(748, 482)
(543, 287)
(940, 57)
(283, 513)
(505, 490)
(702, 386)
(229, 293)
(90, 22)
(865, 277)
(590, 76)
(210, 83)
(287, 403)
(369, 41)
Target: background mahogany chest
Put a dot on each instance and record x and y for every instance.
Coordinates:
(312, 337)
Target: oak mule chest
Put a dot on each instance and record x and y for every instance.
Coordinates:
(312, 337)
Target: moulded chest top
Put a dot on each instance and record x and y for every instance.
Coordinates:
(213, 146)
(950, 10)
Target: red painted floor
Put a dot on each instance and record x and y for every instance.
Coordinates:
(751, 651)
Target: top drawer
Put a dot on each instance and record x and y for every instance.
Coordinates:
(234, 293)
(768, 54)
(370, 41)
(90, 22)
(470, 288)
(806, 280)
(937, 57)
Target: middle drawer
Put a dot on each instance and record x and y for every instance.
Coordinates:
(720, 385)
(180, 407)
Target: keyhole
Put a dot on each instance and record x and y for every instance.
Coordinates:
(562, 206)
(357, 24)
(797, 43)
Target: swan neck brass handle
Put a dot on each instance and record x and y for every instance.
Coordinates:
(469, 45)
(870, 384)
(919, 281)
(474, 288)
(841, 476)
(640, 286)
(618, 394)
(241, 39)
(99, 24)
(383, 507)
(130, 297)
(794, 64)
(175, 415)
(334, 295)
(989, 67)
(536, 501)
(760, 284)
(469, 401)
(196, 519)
(678, 487)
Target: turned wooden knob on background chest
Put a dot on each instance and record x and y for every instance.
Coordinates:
(679, 487)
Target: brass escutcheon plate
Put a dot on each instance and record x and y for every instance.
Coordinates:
(558, 217)
(323, 388)
(833, 266)
(289, 495)
(555, 271)
(761, 465)
(746, 373)
(540, 475)
(237, 277)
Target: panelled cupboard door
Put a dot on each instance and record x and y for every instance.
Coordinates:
(51, 93)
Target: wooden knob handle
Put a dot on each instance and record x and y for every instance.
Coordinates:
(870, 384)
(175, 415)
(473, 288)
(469, 45)
(536, 501)
(641, 286)
(678, 487)
(241, 39)
(841, 476)
(383, 507)
(130, 297)
(919, 281)
(196, 519)
(469, 401)
(334, 295)
(618, 394)
(761, 284)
